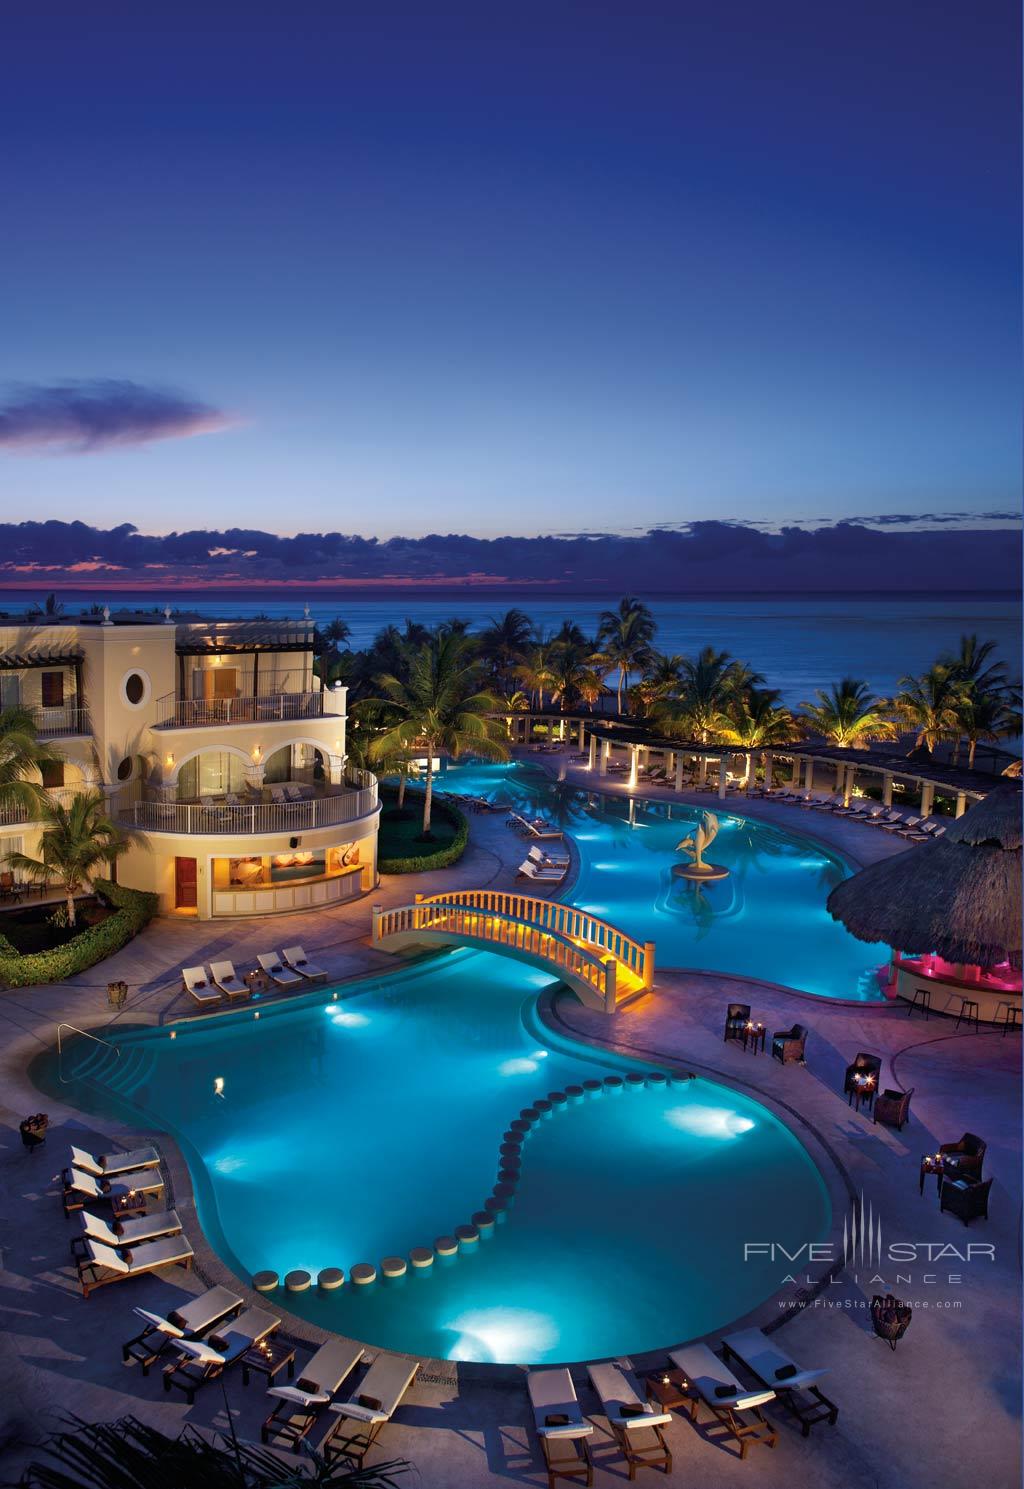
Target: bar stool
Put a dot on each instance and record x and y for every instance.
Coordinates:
(968, 1014)
(925, 996)
(1011, 1018)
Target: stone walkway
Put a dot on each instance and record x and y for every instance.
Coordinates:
(942, 1409)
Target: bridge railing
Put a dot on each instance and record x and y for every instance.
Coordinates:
(566, 920)
(504, 932)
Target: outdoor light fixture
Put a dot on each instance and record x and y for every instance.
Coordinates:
(257, 754)
(170, 759)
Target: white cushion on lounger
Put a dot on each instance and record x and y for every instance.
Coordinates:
(359, 1413)
(201, 1352)
(301, 1398)
(106, 1256)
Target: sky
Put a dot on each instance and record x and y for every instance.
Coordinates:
(404, 269)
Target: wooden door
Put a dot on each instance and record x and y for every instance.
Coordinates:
(186, 889)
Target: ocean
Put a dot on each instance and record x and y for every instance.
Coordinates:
(799, 642)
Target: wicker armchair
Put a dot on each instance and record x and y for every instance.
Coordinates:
(893, 1108)
(737, 1017)
(862, 1077)
(969, 1153)
(965, 1197)
(789, 1044)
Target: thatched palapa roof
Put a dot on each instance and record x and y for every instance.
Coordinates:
(959, 896)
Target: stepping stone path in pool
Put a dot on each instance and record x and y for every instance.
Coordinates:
(500, 1200)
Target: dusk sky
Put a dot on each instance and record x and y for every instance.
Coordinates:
(405, 269)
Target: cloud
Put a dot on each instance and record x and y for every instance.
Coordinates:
(702, 558)
(100, 414)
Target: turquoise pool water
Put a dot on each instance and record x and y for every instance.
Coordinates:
(766, 920)
(352, 1130)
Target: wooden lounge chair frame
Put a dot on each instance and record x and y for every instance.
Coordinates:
(292, 1420)
(726, 1412)
(148, 1346)
(93, 1274)
(634, 1434)
(807, 1413)
(353, 1438)
(189, 1373)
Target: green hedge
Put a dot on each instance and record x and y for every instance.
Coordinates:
(133, 909)
(444, 857)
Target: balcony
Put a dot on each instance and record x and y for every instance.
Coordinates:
(14, 816)
(267, 708)
(61, 721)
(330, 808)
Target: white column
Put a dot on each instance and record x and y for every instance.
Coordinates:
(606, 749)
(887, 789)
(850, 776)
(592, 757)
(809, 776)
(768, 765)
(723, 775)
(579, 741)
(702, 775)
(961, 803)
(679, 772)
(927, 798)
(634, 760)
(797, 767)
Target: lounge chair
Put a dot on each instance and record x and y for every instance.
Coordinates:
(833, 803)
(277, 971)
(110, 1165)
(277, 795)
(78, 1187)
(193, 1319)
(900, 824)
(299, 1406)
(736, 1408)
(299, 962)
(774, 1368)
(227, 980)
(102, 1264)
(862, 1077)
(201, 1361)
(636, 1426)
(547, 860)
(124, 1232)
(965, 1197)
(560, 1425)
(198, 984)
(737, 1016)
(969, 1154)
(528, 870)
(364, 1416)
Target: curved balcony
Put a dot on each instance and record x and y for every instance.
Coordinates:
(331, 808)
(173, 712)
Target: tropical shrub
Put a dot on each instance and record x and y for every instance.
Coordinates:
(133, 909)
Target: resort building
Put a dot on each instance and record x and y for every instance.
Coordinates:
(224, 760)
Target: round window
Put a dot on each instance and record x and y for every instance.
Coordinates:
(135, 688)
(124, 770)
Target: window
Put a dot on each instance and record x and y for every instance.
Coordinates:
(53, 773)
(124, 770)
(53, 689)
(134, 688)
(10, 692)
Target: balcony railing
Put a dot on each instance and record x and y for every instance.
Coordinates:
(359, 799)
(12, 815)
(64, 719)
(197, 713)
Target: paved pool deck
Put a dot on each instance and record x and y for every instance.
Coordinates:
(942, 1409)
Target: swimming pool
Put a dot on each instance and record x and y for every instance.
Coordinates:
(356, 1129)
(766, 920)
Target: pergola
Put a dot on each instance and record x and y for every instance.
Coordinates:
(601, 735)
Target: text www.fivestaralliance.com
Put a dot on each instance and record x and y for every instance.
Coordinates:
(849, 1303)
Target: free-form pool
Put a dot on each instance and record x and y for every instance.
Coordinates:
(356, 1129)
(766, 920)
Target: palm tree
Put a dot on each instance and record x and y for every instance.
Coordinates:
(758, 721)
(626, 638)
(984, 715)
(968, 666)
(848, 715)
(662, 678)
(535, 672)
(77, 841)
(571, 675)
(711, 685)
(22, 754)
(928, 705)
(440, 706)
(112, 1455)
(504, 643)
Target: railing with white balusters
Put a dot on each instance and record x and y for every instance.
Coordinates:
(225, 819)
(577, 944)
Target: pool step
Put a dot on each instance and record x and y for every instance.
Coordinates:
(131, 1071)
(82, 1060)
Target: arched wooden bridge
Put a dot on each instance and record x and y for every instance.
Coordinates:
(601, 964)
